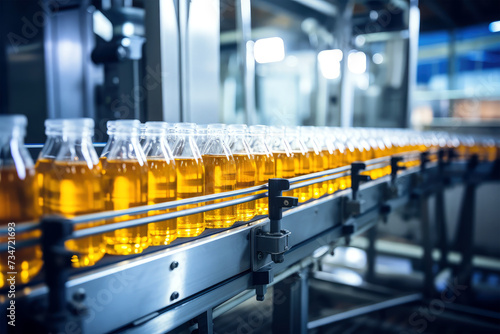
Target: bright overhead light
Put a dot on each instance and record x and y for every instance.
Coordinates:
(128, 29)
(377, 58)
(495, 26)
(330, 55)
(356, 62)
(269, 50)
(102, 26)
(329, 63)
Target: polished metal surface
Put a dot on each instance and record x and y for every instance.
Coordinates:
(115, 291)
(148, 293)
(199, 33)
(162, 77)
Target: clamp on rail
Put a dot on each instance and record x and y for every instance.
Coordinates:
(354, 206)
(57, 262)
(392, 191)
(275, 241)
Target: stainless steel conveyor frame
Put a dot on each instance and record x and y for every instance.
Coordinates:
(166, 287)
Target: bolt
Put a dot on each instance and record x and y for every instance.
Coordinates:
(79, 295)
(174, 265)
(260, 255)
(285, 202)
(174, 295)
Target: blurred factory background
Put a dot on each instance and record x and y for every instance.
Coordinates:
(381, 63)
(428, 64)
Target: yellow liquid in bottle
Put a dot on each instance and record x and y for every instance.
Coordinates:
(245, 178)
(42, 168)
(284, 167)
(162, 187)
(376, 152)
(220, 176)
(72, 189)
(190, 183)
(334, 161)
(320, 163)
(302, 162)
(125, 185)
(349, 157)
(461, 151)
(491, 153)
(19, 203)
(265, 170)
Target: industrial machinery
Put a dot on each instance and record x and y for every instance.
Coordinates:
(200, 61)
(199, 278)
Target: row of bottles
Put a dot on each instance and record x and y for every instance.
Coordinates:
(158, 162)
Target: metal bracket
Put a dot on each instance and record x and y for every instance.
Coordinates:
(260, 280)
(395, 168)
(355, 206)
(424, 159)
(357, 178)
(57, 261)
(348, 229)
(385, 210)
(275, 242)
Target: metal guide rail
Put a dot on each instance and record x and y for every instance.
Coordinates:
(166, 286)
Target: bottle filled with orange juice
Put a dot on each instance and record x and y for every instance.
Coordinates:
(376, 151)
(53, 131)
(245, 168)
(190, 173)
(125, 185)
(282, 153)
(162, 181)
(73, 186)
(220, 176)
(303, 161)
(18, 201)
(334, 153)
(265, 163)
(319, 156)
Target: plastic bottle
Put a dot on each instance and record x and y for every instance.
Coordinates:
(245, 168)
(190, 178)
(220, 176)
(53, 131)
(264, 162)
(125, 185)
(18, 199)
(73, 186)
(162, 181)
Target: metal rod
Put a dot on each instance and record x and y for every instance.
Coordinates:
(146, 220)
(364, 310)
(21, 227)
(166, 205)
(205, 198)
(318, 180)
(305, 180)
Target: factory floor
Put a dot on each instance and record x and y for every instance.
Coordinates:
(340, 285)
(325, 298)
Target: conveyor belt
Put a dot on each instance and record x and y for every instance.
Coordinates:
(164, 287)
